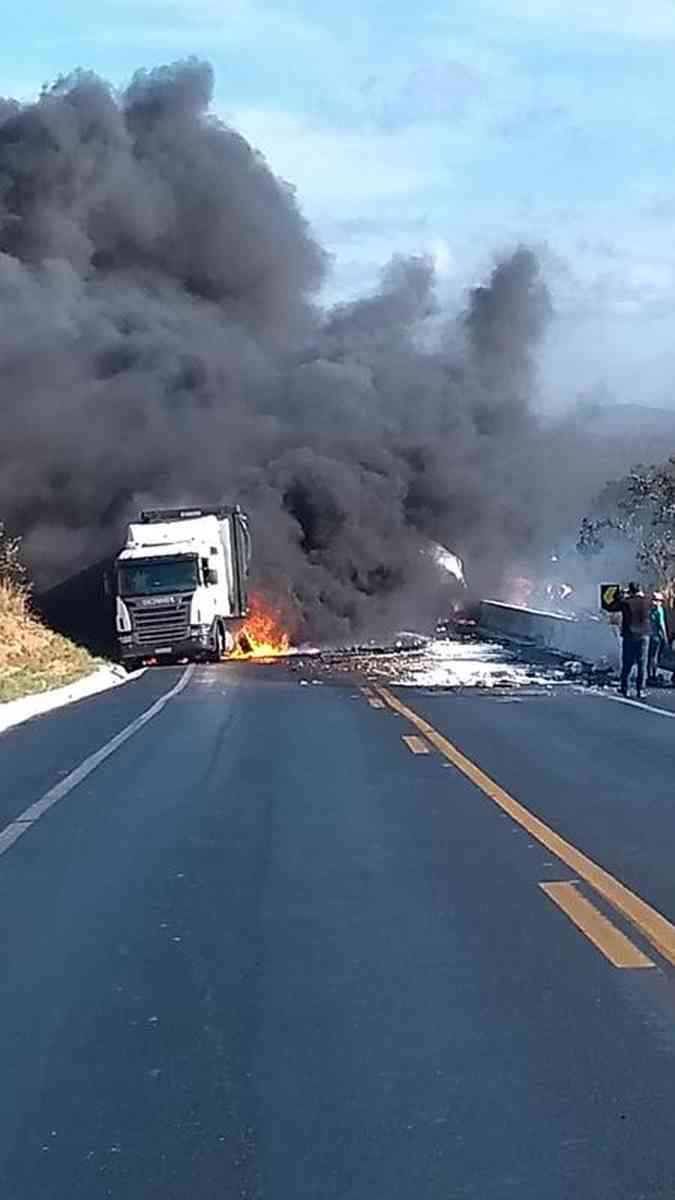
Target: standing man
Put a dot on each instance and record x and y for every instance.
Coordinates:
(635, 633)
(658, 636)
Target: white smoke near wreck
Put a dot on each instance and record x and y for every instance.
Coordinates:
(160, 343)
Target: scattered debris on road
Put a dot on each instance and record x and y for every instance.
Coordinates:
(460, 661)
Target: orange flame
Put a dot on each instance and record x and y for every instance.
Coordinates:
(262, 636)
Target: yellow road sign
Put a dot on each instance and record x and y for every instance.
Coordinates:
(609, 594)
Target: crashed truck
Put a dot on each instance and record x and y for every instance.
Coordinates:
(180, 585)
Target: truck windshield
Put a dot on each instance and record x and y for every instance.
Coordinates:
(146, 579)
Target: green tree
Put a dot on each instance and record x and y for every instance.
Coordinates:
(639, 509)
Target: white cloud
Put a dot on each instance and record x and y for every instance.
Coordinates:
(240, 18)
(442, 256)
(366, 193)
(180, 25)
(23, 90)
(623, 18)
(345, 173)
(369, 194)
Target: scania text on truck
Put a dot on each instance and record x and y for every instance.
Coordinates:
(180, 584)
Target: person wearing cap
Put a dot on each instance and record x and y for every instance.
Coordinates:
(635, 635)
(658, 635)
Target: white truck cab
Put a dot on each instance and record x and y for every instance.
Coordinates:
(181, 584)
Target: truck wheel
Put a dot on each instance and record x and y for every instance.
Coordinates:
(219, 648)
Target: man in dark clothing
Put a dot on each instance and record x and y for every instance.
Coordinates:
(635, 631)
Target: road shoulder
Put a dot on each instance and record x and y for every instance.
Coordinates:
(109, 675)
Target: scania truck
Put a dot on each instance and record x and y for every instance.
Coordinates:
(180, 584)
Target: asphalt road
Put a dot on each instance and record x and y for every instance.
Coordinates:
(263, 950)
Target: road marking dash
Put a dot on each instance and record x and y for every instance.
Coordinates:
(21, 824)
(609, 940)
(377, 704)
(652, 924)
(416, 744)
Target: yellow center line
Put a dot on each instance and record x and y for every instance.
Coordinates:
(655, 927)
(609, 940)
(416, 744)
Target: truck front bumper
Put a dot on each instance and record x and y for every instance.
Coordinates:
(196, 646)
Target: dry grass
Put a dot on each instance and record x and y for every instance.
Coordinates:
(32, 657)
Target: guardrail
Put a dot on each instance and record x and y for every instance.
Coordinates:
(586, 638)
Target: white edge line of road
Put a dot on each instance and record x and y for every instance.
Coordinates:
(36, 704)
(21, 824)
(661, 712)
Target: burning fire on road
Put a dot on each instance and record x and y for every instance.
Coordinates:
(262, 636)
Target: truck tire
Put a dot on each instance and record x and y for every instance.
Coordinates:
(219, 648)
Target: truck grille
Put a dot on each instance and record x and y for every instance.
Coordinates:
(161, 624)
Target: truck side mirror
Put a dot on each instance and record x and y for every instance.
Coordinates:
(107, 583)
(210, 575)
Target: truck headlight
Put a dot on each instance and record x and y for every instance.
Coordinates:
(122, 614)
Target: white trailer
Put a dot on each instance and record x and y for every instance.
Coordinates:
(180, 584)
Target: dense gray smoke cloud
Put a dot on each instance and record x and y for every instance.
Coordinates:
(159, 344)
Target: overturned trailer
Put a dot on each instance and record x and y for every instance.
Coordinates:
(591, 639)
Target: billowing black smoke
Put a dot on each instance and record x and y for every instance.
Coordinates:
(159, 343)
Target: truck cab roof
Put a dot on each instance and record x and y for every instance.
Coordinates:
(194, 535)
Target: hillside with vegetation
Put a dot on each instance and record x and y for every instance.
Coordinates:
(33, 658)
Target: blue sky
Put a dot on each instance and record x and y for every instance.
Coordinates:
(449, 128)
